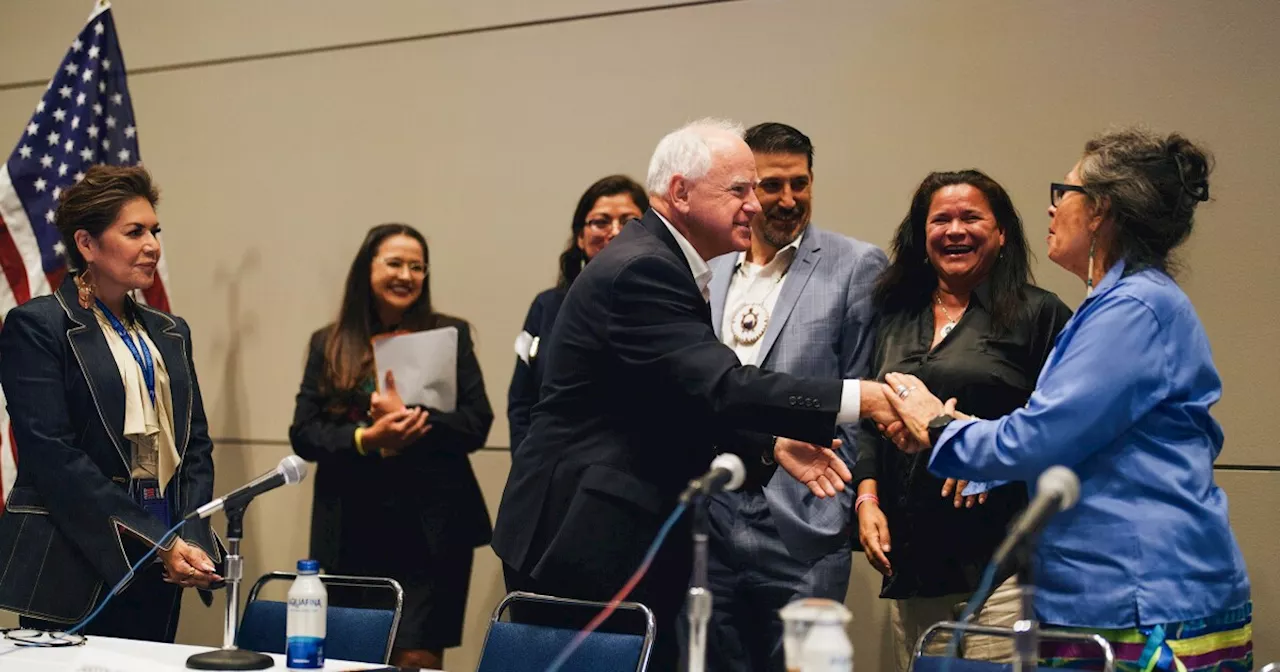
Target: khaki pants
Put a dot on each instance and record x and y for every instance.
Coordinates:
(913, 616)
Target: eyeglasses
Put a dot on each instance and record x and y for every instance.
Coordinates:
(41, 638)
(1059, 191)
(395, 265)
(605, 221)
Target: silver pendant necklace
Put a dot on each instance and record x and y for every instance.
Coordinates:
(751, 320)
(951, 322)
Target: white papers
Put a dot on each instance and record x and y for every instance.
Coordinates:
(425, 365)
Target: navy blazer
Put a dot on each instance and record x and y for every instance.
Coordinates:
(390, 516)
(63, 535)
(637, 394)
(526, 380)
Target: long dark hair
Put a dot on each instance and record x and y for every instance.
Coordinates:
(907, 285)
(348, 351)
(573, 258)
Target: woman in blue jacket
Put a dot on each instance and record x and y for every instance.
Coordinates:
(602, 211)
(1147, 557)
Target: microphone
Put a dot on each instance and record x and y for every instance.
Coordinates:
(1057, 490)
(290, 471)
(727, 473)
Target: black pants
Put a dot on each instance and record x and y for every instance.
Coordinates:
(435, 599)
(147, 609)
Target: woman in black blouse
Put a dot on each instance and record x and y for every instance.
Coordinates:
(605, 207)
(958, 311)
(394, 492)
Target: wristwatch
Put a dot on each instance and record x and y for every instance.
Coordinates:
(936, 426)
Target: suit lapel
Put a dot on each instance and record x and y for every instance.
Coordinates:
(807, 258)
(654, 225)
(722, 268)
(98, 366)
(173, 348)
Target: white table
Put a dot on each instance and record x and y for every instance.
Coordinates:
(106, 654)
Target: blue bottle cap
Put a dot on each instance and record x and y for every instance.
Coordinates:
(308, 566)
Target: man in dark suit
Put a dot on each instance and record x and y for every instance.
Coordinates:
(639, 392)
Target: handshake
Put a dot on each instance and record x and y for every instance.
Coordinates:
(902, 408)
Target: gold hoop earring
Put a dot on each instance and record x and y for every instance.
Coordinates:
(86, 289)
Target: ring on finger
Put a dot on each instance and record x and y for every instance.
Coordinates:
(902, 391)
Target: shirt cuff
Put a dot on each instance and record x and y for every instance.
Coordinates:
(850, 402)
(941, 453)
(979, 487)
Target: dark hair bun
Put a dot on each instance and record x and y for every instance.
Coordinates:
(1193, 167)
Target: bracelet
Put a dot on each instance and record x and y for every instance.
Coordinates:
(360, 442)
(865, 498)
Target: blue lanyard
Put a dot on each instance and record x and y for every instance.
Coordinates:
(143, 358)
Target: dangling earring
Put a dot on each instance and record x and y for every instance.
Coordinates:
(1093, 247)
(86, 289)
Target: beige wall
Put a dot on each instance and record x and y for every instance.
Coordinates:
(273, 167)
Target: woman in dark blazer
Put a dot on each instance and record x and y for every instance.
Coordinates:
(602, 211)
(395, 494)
(113, 448)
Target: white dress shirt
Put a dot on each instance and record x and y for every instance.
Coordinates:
(701, 271)
(754, 283)
(851, 394)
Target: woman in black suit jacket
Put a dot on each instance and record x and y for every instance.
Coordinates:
(602, 211)
(113, 447)
(395, 494)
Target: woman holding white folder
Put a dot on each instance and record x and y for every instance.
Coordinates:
(395, 494)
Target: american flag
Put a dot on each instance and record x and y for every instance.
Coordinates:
(84, 117)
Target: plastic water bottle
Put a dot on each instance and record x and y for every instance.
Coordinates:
(814, 638)
(308, 602)
(827, 648)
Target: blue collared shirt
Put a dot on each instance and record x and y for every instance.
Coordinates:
(1123, 400)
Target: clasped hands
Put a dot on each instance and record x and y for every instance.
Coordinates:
(395, 426)
(902, 408)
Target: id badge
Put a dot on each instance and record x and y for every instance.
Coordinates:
(147, 494)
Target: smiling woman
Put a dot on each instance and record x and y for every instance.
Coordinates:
(395, 492)
(957, 309)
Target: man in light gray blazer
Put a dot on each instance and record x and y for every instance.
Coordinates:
(799, 301)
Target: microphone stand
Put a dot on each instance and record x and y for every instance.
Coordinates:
(229, 657)
(1026, 630)
(699, 594)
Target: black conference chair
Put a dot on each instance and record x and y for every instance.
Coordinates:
(510, 646)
